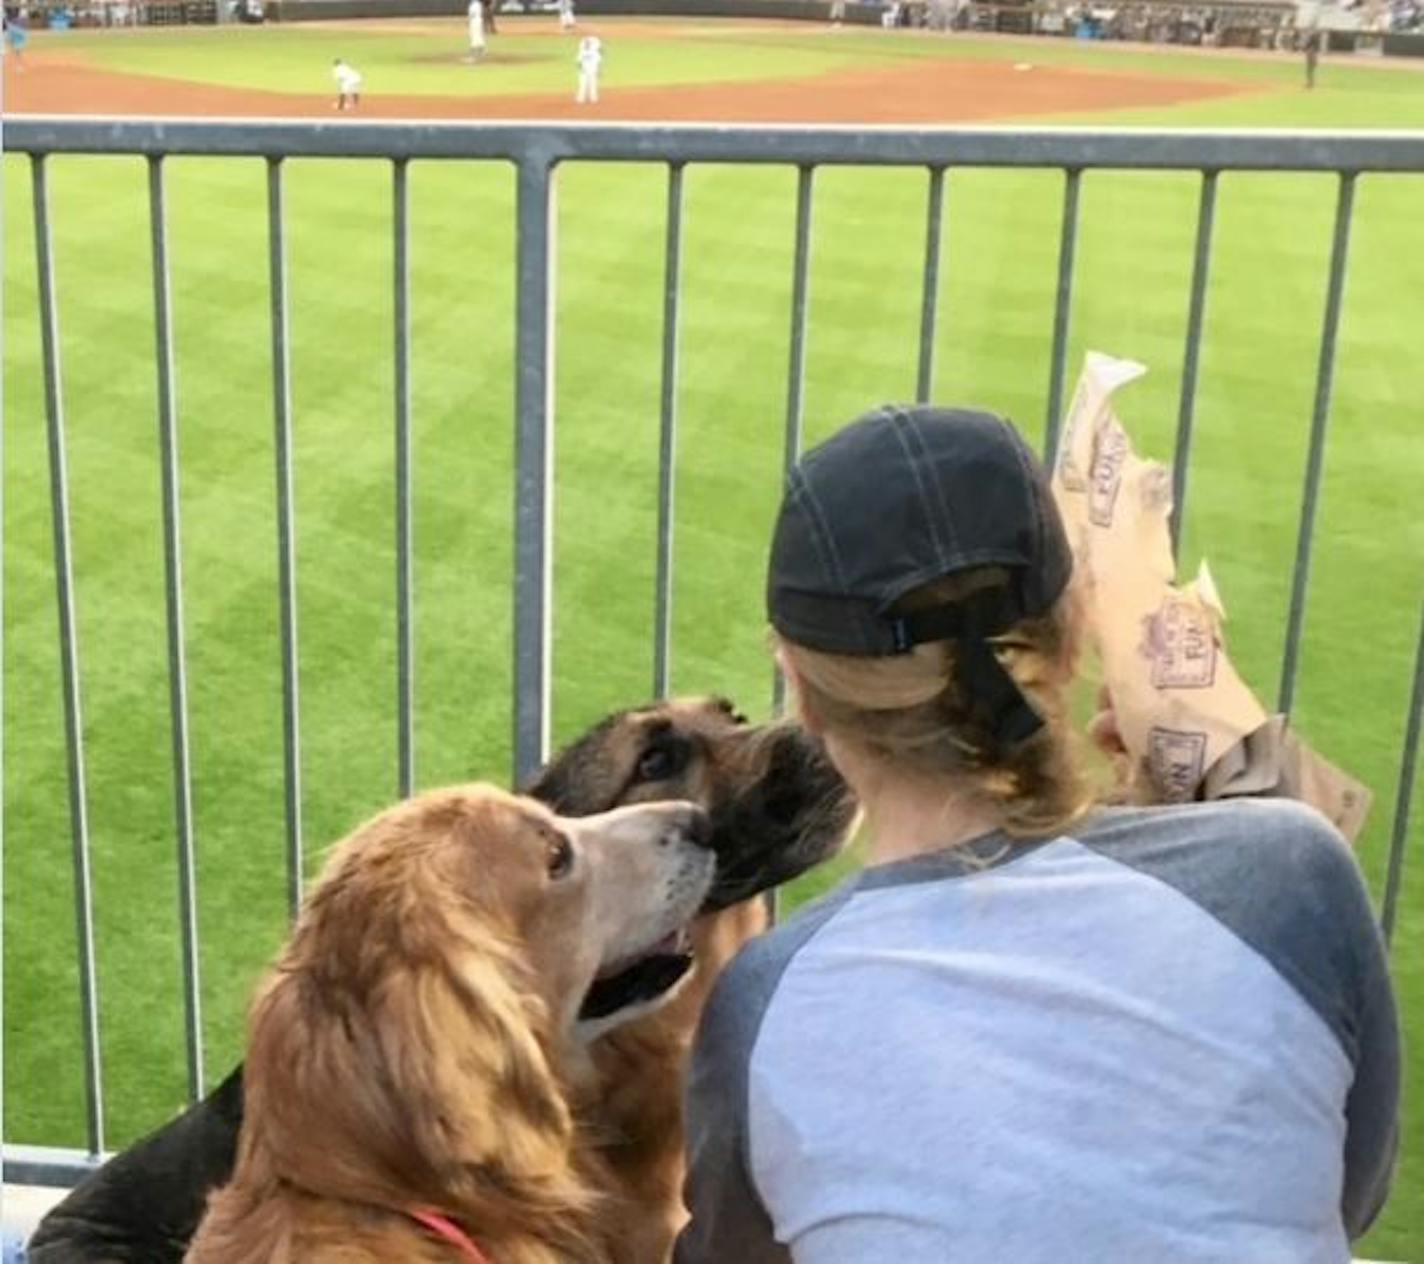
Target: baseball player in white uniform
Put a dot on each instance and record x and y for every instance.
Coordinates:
(476, 14)
(567, 21)
(348, 85)
(590, 62)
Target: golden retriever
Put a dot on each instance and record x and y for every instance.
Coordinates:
(413, 1058)
(776, 808)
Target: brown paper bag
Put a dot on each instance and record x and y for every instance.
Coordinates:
(1273, 760)
(1191, 725)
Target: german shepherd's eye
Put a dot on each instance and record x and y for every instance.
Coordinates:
(666, 757)
(558, 856)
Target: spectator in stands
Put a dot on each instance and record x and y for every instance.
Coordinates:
(16, 36)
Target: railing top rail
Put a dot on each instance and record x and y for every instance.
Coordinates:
(549, 143)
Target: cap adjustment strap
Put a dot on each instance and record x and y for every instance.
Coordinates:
(969, 623)
(981, 615)
(1011, 716)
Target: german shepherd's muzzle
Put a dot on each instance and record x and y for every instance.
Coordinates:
(776, 804)
(778, 807)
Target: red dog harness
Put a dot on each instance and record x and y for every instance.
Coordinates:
(446, 1228)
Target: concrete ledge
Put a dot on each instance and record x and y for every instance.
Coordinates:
(22, 1207)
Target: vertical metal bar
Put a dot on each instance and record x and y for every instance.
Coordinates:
(1405, 794)
(924, 382)
(69, 665)
(667, 446)
(1196, 314)
(1062, 309)
(405, 593)
(796, 375)
(177, 658)
(800, 293)
(286, 531)
(534, 462)
(1315, 460)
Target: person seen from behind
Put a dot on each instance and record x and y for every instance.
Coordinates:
(1033, 1028)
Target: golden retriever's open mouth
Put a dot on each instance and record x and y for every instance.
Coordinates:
(640, 979)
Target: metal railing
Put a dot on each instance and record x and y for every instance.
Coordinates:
(536, 151)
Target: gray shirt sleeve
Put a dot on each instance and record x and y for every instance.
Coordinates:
(729, 1222)
(1282, 878)
(1372, 1108)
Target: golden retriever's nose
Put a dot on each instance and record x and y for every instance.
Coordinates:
(692, 825)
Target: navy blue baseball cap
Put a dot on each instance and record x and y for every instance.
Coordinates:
(898, 499)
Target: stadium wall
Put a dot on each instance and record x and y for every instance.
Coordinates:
(1404, 44)
(804, 10)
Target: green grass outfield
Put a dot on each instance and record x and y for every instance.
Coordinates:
(1257, 384)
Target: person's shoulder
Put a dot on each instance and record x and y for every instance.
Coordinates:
(1273, 832)
(1274, 872)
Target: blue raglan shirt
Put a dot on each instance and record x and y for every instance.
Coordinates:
(1166, 1036)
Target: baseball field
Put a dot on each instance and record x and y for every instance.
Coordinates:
(996, 303)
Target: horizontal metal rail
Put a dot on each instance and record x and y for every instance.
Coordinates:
(54, 1166)
(800, 146)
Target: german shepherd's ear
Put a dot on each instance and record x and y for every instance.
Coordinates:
(553, 785)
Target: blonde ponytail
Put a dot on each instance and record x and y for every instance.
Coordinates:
(909, 711)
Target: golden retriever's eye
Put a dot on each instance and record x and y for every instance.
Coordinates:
(559, 857)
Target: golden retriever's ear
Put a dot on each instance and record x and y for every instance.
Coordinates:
(431, 1077)
(459, 1040)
